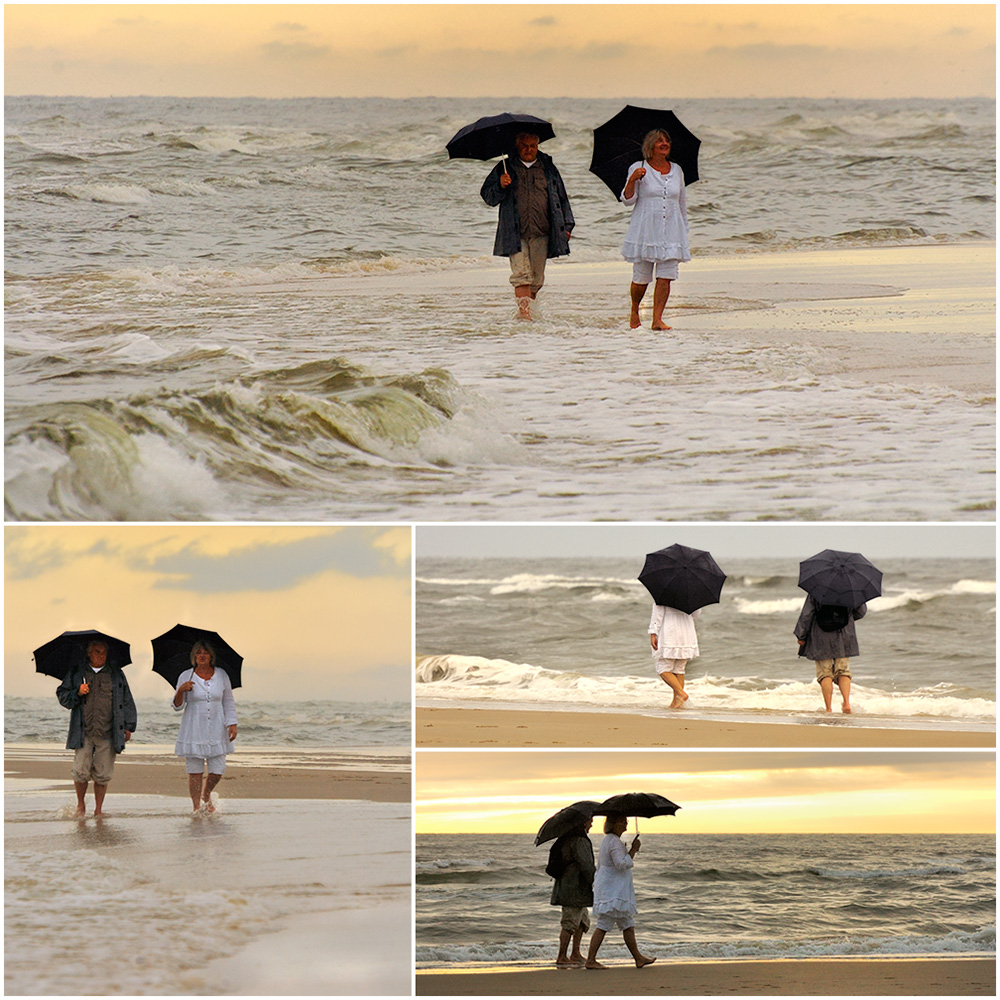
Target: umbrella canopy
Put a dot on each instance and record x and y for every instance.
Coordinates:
(59, 655)
(618, 144)
(566, 820)
(637, 804)
(683, 578)
(846, 579)
(172, 653)
(494, 136)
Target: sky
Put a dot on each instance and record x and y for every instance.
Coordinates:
(718, 791)
(476, 50)
(316, 612)
(794, 541)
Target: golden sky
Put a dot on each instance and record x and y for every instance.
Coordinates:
(316, 612)
(473, 50)
(719, 792)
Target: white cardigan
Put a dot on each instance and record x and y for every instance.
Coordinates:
(209, 711)
(658, 229)
(675, 634)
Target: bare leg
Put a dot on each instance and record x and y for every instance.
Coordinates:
(210, 782)
(99, 793)
(595, 943)
(576, 957)
(630, 943)
(194, 790)
(636, 292)
(844, 683)
(661, 292)
(522, 294)
(826, 686)
(676, 684)
(565, 937)
(81, 792)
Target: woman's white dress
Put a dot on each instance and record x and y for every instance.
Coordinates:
(676, 638)
(614, 893)
(209, 710)
(658, 229)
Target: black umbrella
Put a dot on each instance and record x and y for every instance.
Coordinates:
(683, 578)
(566, 820)
(637, 804)
(59, 655)
(494, 136)
(172, 653)
(618, 144)
(846, 579)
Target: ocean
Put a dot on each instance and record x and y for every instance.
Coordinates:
(289, 310)
(485, 899)
(248, 901)
(571, 634)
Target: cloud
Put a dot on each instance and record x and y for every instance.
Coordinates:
(290, 26)
(766, 51)
(294, 51)
(544, 22)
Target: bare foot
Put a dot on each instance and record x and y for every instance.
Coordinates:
(98, 815)
(633, 319)
(207, 806)
(846, 709)
(644, 960)
(565, 963)
(524, 307)
(80, 811)
(660, 326)
(577, 959)
(679, 699)
(594, 965)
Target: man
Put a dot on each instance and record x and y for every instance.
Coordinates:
(571, 864)
(535, 220)
(102, 720)
(827, 636)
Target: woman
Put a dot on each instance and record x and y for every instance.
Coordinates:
(827, 636)
(657, 236)
(614, 893)
(674, 642)
(208, 727)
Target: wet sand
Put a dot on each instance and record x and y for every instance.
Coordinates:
(489, 727)
(167, 777)
(801, 977)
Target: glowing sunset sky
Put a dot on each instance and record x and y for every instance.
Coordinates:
(316, 612)
(471, 50)
(719, 792)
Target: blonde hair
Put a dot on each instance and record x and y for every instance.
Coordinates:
(651, 139)
(207, 646)
(610, 820)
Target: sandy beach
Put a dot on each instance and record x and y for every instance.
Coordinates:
(490, 727)
(803, 977)
(166, 777)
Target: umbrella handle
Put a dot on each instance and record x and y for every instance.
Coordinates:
(503, 160)
(637, 826)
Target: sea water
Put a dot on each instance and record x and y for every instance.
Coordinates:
(485, 899)
(571, 634)
(248, 309)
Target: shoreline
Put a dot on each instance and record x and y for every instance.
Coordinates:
(167, 777)
(970, 976)
(465, 727)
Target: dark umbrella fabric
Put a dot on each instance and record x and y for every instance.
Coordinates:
(494, 136)
(846, 579)
(172, 653)
(618, 144)
(637, 804)
(59, 655)
(683, 578)
(566, 820)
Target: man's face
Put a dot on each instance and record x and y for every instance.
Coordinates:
(527, 147)
(98, 656)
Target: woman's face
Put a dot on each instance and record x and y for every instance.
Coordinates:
(620, 826)
(661, 147)
(203, 659)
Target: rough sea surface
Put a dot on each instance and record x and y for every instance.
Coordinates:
(485, 899)
(572, 634)
(246, 309)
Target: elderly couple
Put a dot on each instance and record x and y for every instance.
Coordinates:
(608, 888)
(103, 718)
(536, 221)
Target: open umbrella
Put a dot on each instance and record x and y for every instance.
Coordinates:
(566, 820)
(494, 135)
(618, 144)
(683, 578)
(172, 653)
(59, 655)
(846, 579)
(637, 804)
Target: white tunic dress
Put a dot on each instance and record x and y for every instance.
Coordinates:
(209, 711)
(614, 893)
(658, 229)
(676, 638)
